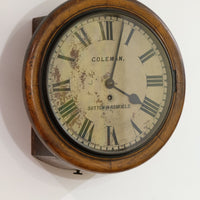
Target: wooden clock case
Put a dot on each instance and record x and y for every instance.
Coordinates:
(47, 144)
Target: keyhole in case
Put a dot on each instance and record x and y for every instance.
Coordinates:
(110, 97)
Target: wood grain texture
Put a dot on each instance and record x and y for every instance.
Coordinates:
(36, 22)
(42, 124)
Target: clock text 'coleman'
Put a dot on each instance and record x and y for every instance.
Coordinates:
(107, 59)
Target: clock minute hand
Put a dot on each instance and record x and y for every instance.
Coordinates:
(133, 98)
(117, 51)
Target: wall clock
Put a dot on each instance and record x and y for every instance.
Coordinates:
(104, 85)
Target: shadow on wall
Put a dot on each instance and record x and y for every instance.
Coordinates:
(11, 98)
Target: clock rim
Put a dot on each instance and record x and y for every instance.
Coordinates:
(35, 105)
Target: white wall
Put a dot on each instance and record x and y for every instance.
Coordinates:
(174, 173)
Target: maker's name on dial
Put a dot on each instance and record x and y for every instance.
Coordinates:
(107, 58)
(109, 107)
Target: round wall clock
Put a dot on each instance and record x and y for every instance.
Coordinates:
(104, 84)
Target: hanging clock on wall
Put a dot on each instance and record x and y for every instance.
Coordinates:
(104, 85)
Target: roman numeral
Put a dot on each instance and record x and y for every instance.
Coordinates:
(90, 134)
(154, 81)
(136, 127)
(111, 135)
(149, 54)
(108, 33)
(150, 107)
(85, 39)
(129, 37)
(63, 86)
(87, 127)
(69, 109)
(66, 58)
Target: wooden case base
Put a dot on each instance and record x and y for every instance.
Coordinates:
(39, 151)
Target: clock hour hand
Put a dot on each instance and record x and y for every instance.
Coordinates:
(133, 98)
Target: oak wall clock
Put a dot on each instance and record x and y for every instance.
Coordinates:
(104, 85)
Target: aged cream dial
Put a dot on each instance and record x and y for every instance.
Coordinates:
(108, 83)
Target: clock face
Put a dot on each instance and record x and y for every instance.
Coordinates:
(108, 83)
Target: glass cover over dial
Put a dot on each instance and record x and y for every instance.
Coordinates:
(108, 83)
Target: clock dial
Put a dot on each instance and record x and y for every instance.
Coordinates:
(108, 83)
